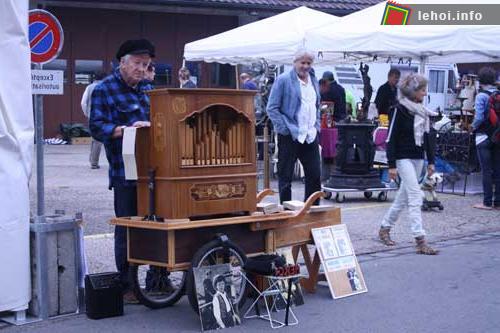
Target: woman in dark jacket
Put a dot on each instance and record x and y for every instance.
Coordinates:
(408, 140)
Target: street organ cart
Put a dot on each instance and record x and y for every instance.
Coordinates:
(197, 195)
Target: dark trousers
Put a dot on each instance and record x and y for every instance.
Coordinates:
(489, 159)
(125, 199)
(289, 151)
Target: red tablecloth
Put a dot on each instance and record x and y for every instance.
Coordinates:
(328, 142)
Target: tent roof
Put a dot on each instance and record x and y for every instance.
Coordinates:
(360, 36)
(275, 39)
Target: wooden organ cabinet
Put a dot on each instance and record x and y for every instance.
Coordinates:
(201, 146)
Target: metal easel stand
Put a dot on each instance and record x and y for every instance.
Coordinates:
(273, 292)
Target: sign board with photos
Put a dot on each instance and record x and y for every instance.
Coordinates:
(340, 264)
(215, 291)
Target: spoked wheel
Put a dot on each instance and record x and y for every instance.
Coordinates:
(214, 253)
(368, 194)
(157, 288)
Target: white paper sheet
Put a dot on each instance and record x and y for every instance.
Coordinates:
(128, 153)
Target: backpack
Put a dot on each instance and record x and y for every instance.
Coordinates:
(491, 124)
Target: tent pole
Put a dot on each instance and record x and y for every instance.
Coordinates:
(237, 73)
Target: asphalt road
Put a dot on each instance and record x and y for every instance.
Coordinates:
(456, 291)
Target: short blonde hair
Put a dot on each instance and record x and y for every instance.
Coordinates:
(411, 84)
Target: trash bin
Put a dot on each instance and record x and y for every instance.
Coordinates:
(103, 295)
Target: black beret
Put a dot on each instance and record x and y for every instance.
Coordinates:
(136, 46)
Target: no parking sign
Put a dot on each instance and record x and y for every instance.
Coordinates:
(45, 35)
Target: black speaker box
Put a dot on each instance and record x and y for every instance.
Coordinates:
(103, 295)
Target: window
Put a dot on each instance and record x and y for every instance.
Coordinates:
(436, 81)
(222, 75)
(87, 70)
(163, 74)
(452, 81)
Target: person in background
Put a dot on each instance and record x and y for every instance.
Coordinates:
(95, 146)
(118, 102)
(246, 82)
(185, 78)
(350, 103)
(487, 151)
(335, 94)
(388, 92)
(293, 108)
(408, 140)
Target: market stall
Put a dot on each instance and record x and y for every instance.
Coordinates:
(16, 150)
(275, 39)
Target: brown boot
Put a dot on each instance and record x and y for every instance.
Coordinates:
(385, 237)
(423, 248)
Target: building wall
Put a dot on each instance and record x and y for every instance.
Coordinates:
(92, 36)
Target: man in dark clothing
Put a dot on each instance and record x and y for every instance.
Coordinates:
(387, 94)
(335, 94)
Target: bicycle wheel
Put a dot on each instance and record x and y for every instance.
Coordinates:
(155, 287)
(218, 252)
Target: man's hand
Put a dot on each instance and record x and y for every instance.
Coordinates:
(393, 173)
(430, 170)
(140, 124)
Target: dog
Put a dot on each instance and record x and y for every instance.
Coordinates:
(429, 186)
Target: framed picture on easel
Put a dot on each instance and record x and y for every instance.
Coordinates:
(340, 264)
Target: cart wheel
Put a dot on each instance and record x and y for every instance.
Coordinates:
(339, 198)
(441, 207)
(213, 253)
(328, 195)
(382, 196)
(155, 287)
(368, 194)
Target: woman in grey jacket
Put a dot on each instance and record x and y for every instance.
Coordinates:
(407, 142)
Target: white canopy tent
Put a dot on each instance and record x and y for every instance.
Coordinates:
(361, 37)
(16, 152)
(275, 39)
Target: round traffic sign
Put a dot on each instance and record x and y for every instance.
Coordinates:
(45, 35)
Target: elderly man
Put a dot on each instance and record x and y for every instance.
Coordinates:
(120, 101)
(246, 82)
(294, 110)
(185, 78)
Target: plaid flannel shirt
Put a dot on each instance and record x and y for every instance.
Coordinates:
(114, 103)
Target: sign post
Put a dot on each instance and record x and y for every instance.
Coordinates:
(46, 41)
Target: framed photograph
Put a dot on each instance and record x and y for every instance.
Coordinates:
(296, 296)
(340, 264)
(216, 295)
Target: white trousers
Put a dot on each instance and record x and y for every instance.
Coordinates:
(409, 195)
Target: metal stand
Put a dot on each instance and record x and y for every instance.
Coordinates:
(274, 293)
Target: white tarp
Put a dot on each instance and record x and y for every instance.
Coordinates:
(360, 36)
(275, 39)
(16, 149)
